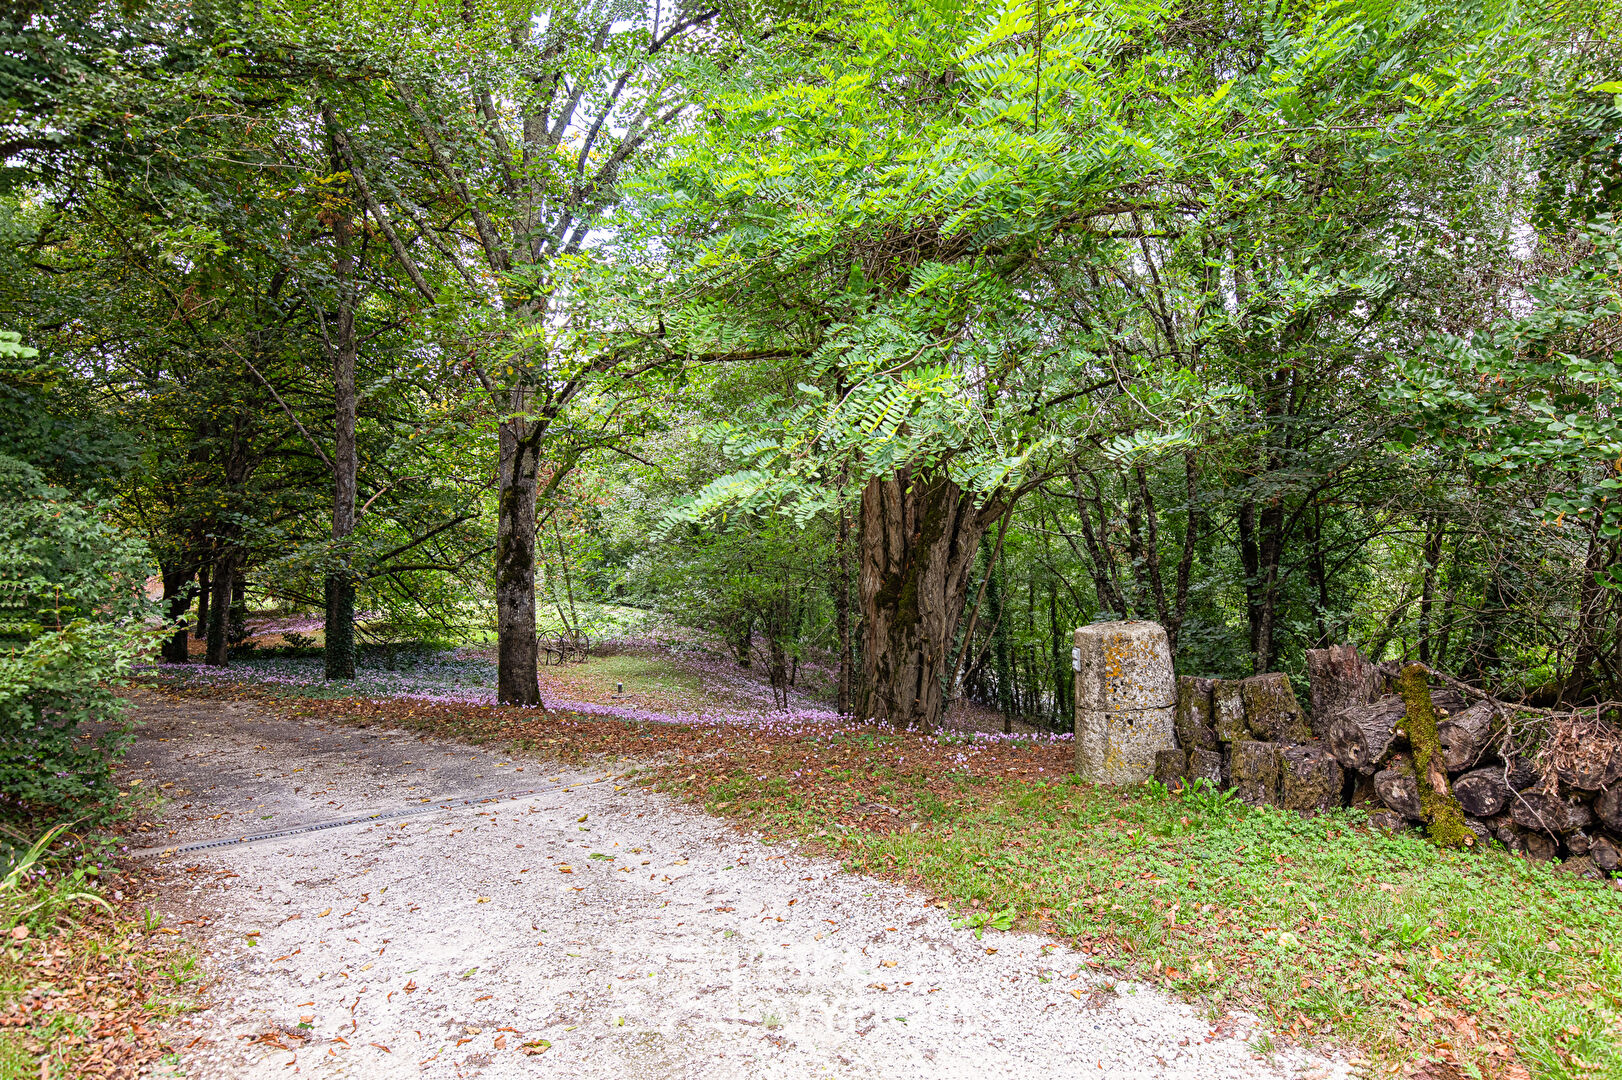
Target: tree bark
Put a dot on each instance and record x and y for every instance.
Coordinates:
(517, 674)
(176, 590)
(200, 628)
(842, 608)
(339, 648)
(222, 583)
(1338, 677)
(1483, 792)
(236, 616)
(1362, 736)
(1444, 816)
(1465, 735)
(919, 535)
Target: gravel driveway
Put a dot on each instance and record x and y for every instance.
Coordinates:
(586, 928)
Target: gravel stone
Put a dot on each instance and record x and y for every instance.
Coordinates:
(438, 945)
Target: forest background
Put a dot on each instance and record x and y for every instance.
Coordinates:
(903, 335)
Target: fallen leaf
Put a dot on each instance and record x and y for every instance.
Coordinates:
(482, 900)
(501, 1042)
(324, 913)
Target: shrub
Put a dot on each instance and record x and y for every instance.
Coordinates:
(73, 619)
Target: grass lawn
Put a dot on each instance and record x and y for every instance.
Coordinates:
(643, 674)
(1426, 962)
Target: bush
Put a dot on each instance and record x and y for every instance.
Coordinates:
(73, 619)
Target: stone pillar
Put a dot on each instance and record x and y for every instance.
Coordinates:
(1125, 697)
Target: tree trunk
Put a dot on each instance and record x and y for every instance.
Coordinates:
(919, 536)
(339, 650)
(1427, 590)
(1261, 544)
(176, 590)
(200, 629)
(1151, 557)
(1443, 815)
(1590, 615)
(1250, 562)
(1101, 560)
(1002, 668)
(237, 615)
(1063, 683)
(1318, 577)
(1483, 793)
(517, 677)
(222, 584)
(1191, 534)
(842, 609)
(1464, 736)
(1338, 677)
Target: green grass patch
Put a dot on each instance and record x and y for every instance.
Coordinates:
(1468, 960)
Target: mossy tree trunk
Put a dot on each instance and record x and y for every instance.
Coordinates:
(1444, 818)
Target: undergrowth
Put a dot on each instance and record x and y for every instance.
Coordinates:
(82, 982)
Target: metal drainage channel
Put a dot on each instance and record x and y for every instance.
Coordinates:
(410, 811)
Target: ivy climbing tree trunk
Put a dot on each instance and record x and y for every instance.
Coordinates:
(919, 535)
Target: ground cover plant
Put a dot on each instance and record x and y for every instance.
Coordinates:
(1427, 962)
(87, 973)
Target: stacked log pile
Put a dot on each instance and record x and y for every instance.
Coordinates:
(1251, 735)
(1353, 748)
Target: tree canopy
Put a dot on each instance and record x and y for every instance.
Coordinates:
(912, 333)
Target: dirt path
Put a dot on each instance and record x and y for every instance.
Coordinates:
(635, 937)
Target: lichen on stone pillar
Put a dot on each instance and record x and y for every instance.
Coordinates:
(1126, 693)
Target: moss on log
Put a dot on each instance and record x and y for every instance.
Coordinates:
(1444, 817)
